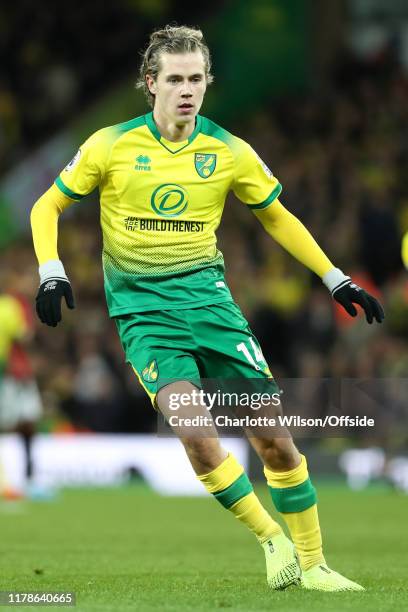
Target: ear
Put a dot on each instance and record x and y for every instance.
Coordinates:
(151, 84)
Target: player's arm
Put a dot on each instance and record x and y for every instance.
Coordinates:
(255, 185)
(83, 173)
(292, 235)
(54, 283)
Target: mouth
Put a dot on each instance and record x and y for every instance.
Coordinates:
(185, 107)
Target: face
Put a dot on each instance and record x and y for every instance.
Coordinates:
(179, 87)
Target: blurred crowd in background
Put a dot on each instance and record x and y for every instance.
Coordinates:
(341, 154)
(59, 59)
(32, 109)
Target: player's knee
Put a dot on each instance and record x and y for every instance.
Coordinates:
(203, 451)
(279, 454)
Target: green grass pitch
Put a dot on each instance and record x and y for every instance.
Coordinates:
(130, 549)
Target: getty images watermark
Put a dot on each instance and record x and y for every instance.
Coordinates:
(199, 397)
(305, 408)
(253, 401)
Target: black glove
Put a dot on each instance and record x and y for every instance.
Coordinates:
(348, 293)
(48, 300)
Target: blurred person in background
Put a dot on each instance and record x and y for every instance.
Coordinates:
(164, 280)
(404, 251)
(20, 400)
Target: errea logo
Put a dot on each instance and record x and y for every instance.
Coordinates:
(143, 163)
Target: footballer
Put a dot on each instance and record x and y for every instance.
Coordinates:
(163, 178)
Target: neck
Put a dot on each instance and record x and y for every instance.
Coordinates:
(171, 130)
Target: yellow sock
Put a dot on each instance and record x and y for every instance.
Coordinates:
(295, 498)
(231, 487)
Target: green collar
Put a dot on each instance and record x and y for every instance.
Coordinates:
(153, 128)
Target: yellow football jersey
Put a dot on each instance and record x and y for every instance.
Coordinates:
(161, 203)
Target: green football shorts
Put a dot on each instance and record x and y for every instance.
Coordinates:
(213, 342)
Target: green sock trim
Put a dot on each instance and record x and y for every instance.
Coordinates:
(238, 489)
(294, 499)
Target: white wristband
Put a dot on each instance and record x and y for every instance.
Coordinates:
(334, 278)
(52, 269)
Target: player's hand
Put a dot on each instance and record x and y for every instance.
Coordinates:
(349, 294)
(48, 300)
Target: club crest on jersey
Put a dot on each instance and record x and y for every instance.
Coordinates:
(205, 164)
(151, 372)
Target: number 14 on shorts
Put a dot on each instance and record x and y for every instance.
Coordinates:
(257, 357)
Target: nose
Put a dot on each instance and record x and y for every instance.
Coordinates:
(186, 90)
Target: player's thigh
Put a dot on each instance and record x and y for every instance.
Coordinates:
(157, 347)
(183, 406)
(228, 348)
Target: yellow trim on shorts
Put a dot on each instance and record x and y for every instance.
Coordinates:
(151, 395)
